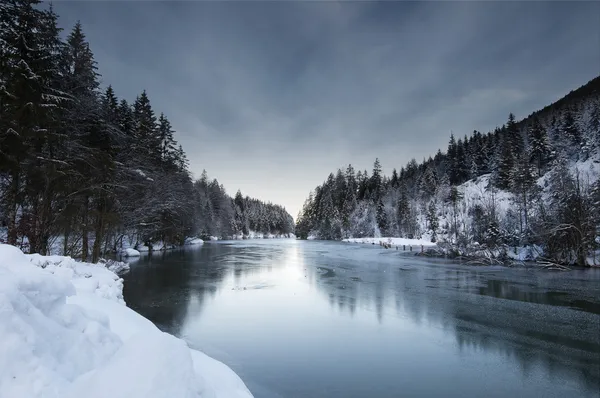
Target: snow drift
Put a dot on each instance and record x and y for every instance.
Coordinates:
(129, 252)
(65, 332)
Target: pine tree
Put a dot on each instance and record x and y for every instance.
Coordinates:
(539, 146)
(432, 220)
(454, 197)
(513, 136)
(394, 182)
(403, 214)
(593, 127)
(87, 134)
(381, 217)
(453, 168)
(376, 186)
(168, 146)
(571, 135)
(147, 139)
(525, 189)
(429, 183)
(569, 228)
(506, 163)
(29, 102)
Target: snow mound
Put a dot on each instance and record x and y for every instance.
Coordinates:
(129, 252)
(194, 241)
(118, 267)
(86, 278)
(64, 332)
(45, 344)
(156, 246)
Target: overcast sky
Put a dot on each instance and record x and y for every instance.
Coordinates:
(270, 97)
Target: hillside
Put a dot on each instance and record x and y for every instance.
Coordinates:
(529, 184)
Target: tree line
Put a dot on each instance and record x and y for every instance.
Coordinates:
(80, 167)
(540, 188)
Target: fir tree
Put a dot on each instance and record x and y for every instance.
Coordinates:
(525, 189)
(539, 146)
(513, 136)
(376, 185)
(432, 220)
(505, 166)
(168, 146)
(571, 132)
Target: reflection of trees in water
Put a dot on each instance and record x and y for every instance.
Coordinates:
(563, 342)
(156, 286)
(347, 287)
(483, 312)
(463, 302)
(531, 352)
(164, 286)
(529, 293)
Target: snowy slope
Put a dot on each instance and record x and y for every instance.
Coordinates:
(65, 332)
(475, 192)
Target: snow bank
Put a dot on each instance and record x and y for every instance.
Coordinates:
(94, 279)
(65, 332)
(392, 241)
(194, 241)
(129, 252)
(260, 235)
(156, 246)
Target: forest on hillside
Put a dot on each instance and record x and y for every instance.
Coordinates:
(531, 183)
(84, 168)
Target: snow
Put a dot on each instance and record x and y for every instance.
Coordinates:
(129, 252)
(260, 235)
(88, 279)
(65, 332)
(194, 241)
(156, 246)
(392, 241)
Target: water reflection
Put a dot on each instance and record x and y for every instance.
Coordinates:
(566, 344)
(250, 300)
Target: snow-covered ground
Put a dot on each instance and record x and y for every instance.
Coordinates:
(392, 241)
(65, 332)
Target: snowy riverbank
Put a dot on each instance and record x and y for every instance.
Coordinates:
(65, 332)
(392, 241)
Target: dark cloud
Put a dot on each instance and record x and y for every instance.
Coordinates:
(272, 96)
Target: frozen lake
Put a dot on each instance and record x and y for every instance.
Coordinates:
(327, 319)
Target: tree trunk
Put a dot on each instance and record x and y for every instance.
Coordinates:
(45, 222)
(99, 229)
(84, 230)
(12, 210)
(66, 241)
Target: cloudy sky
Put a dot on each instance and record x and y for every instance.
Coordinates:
(270, 97)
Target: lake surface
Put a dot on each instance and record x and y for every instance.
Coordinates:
(328, 319)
